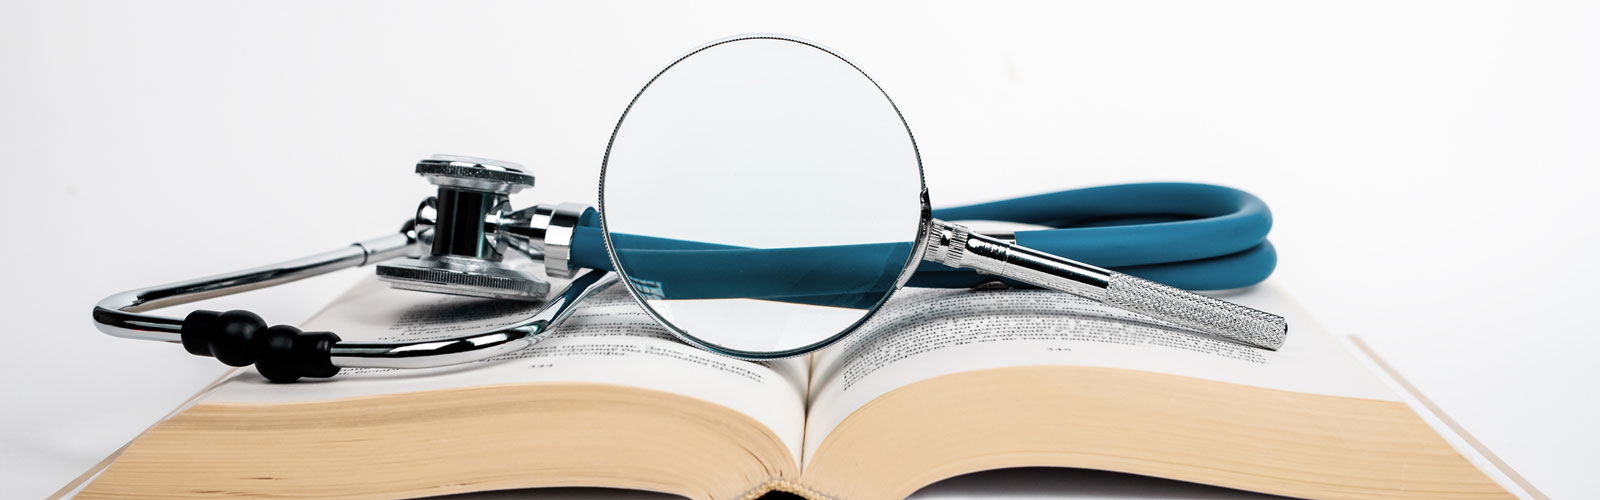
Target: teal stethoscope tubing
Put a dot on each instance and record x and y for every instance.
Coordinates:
(1191, 236)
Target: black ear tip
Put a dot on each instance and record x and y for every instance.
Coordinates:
(226, 336)
(196, 331)
(288, 354)
(233, 335)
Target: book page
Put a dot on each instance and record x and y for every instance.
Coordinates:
(607, 340)
(926, 333)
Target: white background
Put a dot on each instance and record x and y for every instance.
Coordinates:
(1431, 166)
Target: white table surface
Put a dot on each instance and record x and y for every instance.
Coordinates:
(1431, 166)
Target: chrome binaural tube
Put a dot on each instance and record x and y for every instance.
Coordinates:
(120, 315)
(435, 353)
(957, 246)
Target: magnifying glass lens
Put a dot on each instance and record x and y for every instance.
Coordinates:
(761, 196)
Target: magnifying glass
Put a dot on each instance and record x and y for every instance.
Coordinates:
(762, 197)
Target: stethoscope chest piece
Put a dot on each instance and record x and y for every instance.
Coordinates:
(468, 228)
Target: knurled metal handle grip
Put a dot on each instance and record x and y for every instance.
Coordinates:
(1195, 311)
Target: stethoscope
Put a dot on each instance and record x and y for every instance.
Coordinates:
(1125, 239)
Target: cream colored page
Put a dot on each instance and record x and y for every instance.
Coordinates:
(1458, 438)
(925, 333)
(609, 339)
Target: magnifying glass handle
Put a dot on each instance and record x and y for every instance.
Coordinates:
(957, 246)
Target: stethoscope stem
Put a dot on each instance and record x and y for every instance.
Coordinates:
(955, 245)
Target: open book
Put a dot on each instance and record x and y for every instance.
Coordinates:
(939, 383)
